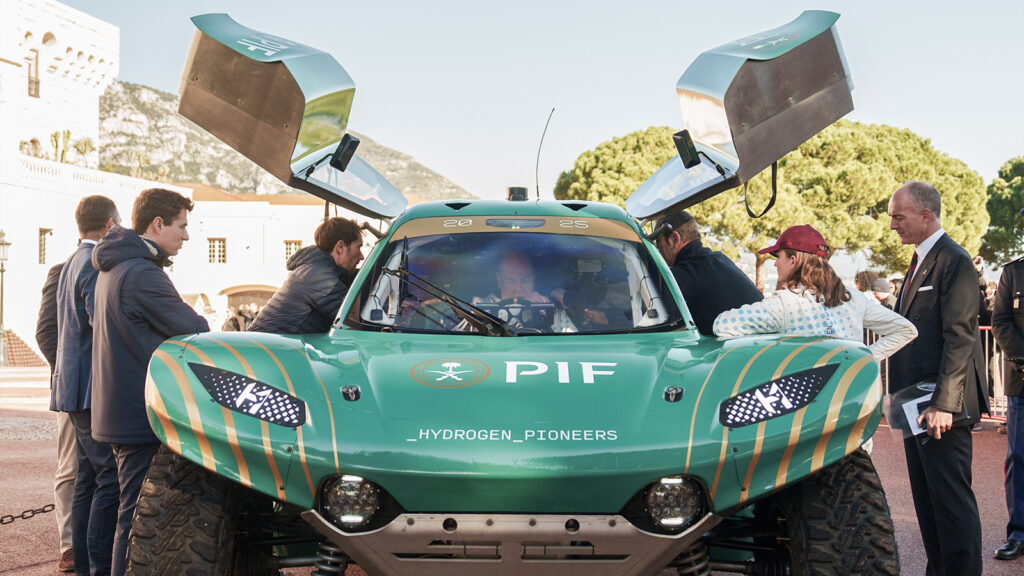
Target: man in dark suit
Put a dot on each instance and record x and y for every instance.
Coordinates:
(67, 448)
(1008, 327)
(95, 504)
(709, 281)
(940, 297)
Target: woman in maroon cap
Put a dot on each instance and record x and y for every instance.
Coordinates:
(811, 300)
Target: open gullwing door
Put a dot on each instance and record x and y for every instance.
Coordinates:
(285, 106)
(745, 105)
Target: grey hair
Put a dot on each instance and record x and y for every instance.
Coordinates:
(925, 196)
(688, 230)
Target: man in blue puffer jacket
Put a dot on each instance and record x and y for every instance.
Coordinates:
(136, 308)
(318, 279)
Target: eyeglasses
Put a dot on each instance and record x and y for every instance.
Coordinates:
(661, 233)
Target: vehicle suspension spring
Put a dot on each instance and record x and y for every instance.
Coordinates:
(331, 561)
(694, 561)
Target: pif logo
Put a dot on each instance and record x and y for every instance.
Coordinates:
(450, 372)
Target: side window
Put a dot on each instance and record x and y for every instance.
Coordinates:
(291, 247)
(44, 233)
(33, 73)
(218, 248)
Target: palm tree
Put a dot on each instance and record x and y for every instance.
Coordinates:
(83, 146)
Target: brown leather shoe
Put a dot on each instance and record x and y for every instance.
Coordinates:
(67, 561)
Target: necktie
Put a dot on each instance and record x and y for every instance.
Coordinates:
(906, 280)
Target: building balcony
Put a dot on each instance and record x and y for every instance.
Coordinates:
(42, 174)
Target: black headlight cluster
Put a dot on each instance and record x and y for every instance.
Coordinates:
(243, 394)
(675, 502)
(356, 504)
(350, 501)
(668, 505)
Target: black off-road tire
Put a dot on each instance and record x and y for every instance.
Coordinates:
(837, 522)
(187, 522)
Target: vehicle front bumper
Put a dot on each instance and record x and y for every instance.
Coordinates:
(510, 544)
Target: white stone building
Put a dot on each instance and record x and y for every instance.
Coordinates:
(239, 243)
(55, 63)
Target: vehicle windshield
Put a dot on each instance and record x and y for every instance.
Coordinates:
(508, 281)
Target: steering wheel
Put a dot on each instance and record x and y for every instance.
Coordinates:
(522, 313)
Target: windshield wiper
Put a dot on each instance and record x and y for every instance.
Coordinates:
(474, 316)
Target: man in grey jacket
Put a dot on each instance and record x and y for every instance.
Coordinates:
(318, 279)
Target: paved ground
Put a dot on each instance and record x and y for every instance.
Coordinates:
(28, 452)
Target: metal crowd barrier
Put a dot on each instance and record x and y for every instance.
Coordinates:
(993, 362)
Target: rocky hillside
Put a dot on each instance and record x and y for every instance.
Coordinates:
(141, 134)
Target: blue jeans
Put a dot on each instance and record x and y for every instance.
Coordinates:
(1015, 467)
(133, 462)
(94, 506)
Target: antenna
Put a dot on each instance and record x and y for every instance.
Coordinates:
(536, 171)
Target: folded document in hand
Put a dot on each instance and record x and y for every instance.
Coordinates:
(904, 407)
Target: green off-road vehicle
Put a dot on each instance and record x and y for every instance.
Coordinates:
(450, 424)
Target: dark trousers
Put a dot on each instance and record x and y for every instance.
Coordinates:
(95, 503)
(947, 512)
(1015, 467)
(133, 462)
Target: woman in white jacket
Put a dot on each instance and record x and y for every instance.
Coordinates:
(811, 300)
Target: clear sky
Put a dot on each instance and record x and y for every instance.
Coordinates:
(466, 86)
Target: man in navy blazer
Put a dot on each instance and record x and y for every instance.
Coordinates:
(95, 503)
(940, 297)
(67, 448)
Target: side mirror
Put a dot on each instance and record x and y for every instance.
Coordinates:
(344, 152)
(687, 151)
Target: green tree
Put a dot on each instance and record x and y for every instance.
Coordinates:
(613, 170)
(1003, 241)
(839, 181)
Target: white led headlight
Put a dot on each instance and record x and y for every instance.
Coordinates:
(675, 502)
(350, 501)
(776, 398)
(243, 394)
